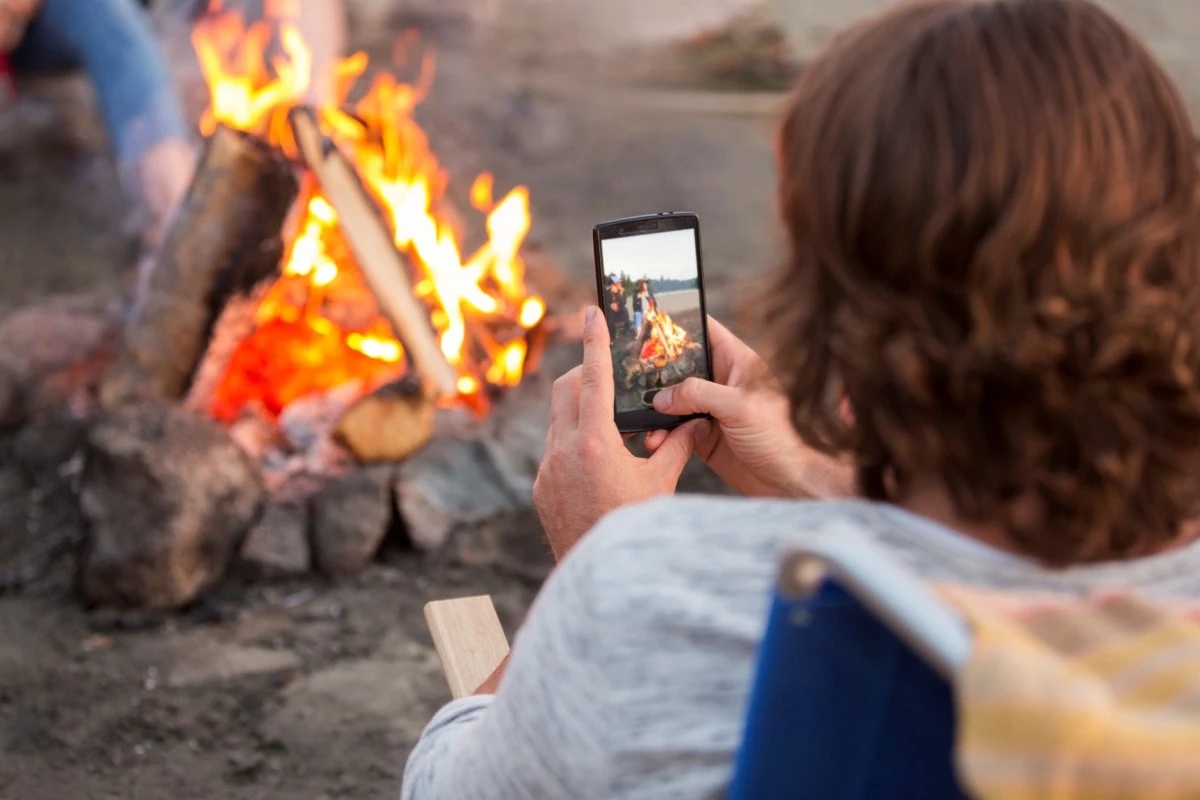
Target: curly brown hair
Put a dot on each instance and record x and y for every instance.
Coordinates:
(993, 227)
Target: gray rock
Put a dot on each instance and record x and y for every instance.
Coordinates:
(167, 498)
(450, 483)
(473, 471)
(350, 518)
(12, 400)
(308, 422)
(52, 351)
(45, 452)
(256, 435)
(277, 545)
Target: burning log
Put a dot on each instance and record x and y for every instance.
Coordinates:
(389, 425)
(225, 237)
(378, 259)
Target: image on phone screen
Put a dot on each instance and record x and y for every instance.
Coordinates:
(651, 296)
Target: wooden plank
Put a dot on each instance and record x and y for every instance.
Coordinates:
(380, 262)
(469, 640)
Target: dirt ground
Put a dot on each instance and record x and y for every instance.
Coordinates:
(308, 689)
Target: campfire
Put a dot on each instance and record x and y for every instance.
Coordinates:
(326, 350)
(320, 325)
(662, 340)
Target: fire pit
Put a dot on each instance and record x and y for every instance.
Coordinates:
(313, 362)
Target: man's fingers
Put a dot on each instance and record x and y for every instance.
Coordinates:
(673, 454)
(727, 351)
(654, 440)
(696, 396)
(596, 379)
(720, 336)
(564, 401)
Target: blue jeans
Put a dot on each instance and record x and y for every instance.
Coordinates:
(637, 322)
(111, 40)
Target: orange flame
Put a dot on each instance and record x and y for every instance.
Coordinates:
(320, 289)
(666, 341)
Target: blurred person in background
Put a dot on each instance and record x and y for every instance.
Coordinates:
(985, 345)
(643, 301)
(323, 25)
(616, 309)
(113, 42)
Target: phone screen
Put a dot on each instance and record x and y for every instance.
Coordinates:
(652, 299)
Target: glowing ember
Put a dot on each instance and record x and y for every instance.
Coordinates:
(319, 325)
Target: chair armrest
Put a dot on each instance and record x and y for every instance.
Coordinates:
(885, 587)
(469, 641)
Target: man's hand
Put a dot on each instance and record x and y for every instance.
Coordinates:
(753, 447)
(587, 472)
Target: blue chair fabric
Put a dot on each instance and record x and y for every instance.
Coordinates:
(842, 708)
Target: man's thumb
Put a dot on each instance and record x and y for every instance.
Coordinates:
(673, 454)
(696, 396)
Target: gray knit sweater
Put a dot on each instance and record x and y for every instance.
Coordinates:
(630, 676)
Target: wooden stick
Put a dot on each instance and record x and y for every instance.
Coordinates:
(469, 640)
(377, 257)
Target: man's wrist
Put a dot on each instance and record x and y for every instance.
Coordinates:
(492, 684)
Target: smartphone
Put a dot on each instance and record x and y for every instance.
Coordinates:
(651, 290)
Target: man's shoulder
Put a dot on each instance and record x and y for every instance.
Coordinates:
(698, 523)
(683, 550)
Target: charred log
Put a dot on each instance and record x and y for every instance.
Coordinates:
(224, 239)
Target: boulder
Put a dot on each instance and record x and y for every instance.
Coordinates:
(474, 471)
(277, 545)
(12, 400)
(350, 519)
(52, 351)
(452, 483)
(167, 498)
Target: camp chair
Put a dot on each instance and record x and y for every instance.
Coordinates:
(851, 698)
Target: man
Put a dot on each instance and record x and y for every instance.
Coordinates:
(988, 331)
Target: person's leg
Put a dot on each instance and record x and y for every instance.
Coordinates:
(112, 40)
(322, 23)
(637, 320)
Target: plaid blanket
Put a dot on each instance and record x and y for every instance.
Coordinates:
(1078, 698)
